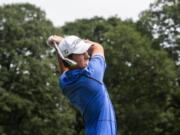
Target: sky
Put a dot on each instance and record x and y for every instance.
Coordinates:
(62, 11)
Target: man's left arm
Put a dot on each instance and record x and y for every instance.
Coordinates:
(56, 40)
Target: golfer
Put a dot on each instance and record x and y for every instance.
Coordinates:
(83, 83)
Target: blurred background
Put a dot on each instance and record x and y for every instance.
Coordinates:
(142, 47)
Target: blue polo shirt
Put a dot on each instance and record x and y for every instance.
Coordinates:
(86, 91)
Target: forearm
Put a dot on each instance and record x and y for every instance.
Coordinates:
(62, 68)
(56, 40)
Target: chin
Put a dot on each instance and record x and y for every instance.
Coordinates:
(83, 66)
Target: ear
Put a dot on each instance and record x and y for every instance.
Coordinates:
(86, 55)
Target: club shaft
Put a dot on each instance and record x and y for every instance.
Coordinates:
(58, 51)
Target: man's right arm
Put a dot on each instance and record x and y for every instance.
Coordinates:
(97, 62)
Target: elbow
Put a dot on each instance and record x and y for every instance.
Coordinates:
(96, 49)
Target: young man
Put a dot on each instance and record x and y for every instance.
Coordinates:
(83, 84)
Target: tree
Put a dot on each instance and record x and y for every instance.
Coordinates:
(162, 22)
(30, 102)
(141, 80)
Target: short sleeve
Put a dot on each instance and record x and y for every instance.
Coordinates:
(96, 67)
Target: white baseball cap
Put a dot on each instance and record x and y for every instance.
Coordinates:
(73, 45)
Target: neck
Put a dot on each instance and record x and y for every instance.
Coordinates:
(74, 67)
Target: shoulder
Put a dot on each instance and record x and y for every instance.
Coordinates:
(97, 58)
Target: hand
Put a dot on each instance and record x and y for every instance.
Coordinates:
(54, 39)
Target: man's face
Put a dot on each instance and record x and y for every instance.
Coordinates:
(81, 59)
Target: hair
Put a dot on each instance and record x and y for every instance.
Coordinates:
(70, 57)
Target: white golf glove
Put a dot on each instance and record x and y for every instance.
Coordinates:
(50, 40)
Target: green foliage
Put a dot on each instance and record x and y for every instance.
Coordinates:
(140, 76)
(162, 22)
(87, 28)
(30, 101)
(141, 80)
